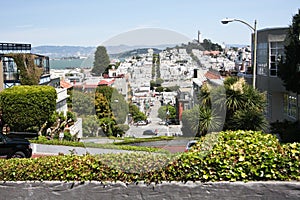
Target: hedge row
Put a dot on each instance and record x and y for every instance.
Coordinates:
(27, 108)
(227, 156)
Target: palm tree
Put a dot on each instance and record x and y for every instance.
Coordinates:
(208, 121)
(245, 106)
(236, 105)
(251, 119)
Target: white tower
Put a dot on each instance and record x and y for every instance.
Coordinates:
(199, 37)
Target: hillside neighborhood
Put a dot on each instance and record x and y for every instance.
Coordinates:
(149, 100)
(181, 74)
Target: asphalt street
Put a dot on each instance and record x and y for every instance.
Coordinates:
(42, 149)
(163, 130)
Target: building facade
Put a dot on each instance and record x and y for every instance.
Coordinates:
(10, 74)
(281, 104)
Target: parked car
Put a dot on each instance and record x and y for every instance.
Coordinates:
(12, 146)
(162, 123)
(173, 122)
(149, 132)
(189, 145)
(141, 123)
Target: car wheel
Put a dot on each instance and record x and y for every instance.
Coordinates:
(18, 154)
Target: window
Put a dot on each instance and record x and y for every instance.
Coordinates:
(290, 105)
(276, 53)
(10, 70)
(262, 59)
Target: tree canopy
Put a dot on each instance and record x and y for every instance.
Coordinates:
(136, 114)
(83, 103)
(167, 111)
(289, 68)
(101, 62)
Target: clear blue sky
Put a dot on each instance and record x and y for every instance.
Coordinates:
(92, 22)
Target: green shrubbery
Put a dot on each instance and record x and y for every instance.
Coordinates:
(227, 156)
(27, 108)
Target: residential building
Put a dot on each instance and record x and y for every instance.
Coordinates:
(281, 104)
(183, 101)
(9, 69)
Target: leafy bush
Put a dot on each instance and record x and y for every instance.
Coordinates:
(27, 108)
(227, 156)
(238, 156)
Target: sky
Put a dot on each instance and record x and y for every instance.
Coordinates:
(96, 22)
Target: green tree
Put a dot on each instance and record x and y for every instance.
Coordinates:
(164, 110)
(101, 62)
(117, 104)
(208, 45)
(289, 67)
(244, 107)
(27, 108)
(90, 125)
(199, 121)
(190, 121)
(102, 107)
(107, 126)
(244, 103)
(111, 109)
(136, 114)
(83, 103)
(159, 89)
(119, 107)
(106, 91)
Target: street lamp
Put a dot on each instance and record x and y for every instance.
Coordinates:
(226, 21)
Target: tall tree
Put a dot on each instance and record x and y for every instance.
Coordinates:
(102, 106)
(83, 103)
(101, 61)
(167, 111)
(289, 68)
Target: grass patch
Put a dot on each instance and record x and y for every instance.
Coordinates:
(43, 140)
(140, 140)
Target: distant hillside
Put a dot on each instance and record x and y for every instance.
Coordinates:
(77, 51)
(123, 48)
(133, 52)
(114, 51)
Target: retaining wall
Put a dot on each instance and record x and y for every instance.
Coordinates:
(167, 190)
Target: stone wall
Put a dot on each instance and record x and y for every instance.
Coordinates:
(173, 190)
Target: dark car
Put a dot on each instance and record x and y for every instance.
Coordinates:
(173, 122)
(12, 146)
(149, 132)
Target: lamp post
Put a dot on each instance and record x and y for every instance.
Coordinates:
(226, 21)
